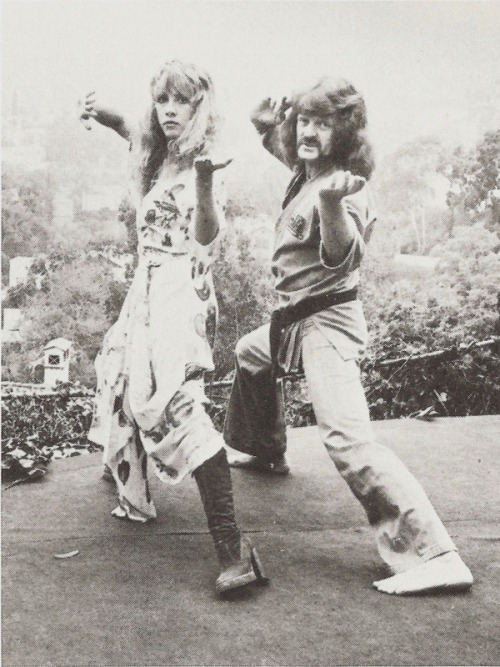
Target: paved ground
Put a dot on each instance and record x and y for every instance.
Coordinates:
(143, 594)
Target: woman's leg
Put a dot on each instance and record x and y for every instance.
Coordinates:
(185, 442)
(238, 560)
(409, 533)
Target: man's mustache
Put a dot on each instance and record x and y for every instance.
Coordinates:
(311, 143)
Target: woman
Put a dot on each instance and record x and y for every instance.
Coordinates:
(150, 396)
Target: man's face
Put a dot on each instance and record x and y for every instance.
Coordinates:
(314, 136)
(174, 113)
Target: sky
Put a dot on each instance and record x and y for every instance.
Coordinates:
(425, 68)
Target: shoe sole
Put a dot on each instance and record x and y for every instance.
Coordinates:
(262, 579)
(256, 575)
(252, 466)
(237, 582)
(433, 590)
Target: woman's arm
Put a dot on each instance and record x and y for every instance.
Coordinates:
(206, 219)
(89, 108)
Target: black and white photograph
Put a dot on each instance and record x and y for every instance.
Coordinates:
(250, 333)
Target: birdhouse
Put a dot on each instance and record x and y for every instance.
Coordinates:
(56, 361)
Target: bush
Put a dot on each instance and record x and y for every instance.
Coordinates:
(37, 429)
(245, 295)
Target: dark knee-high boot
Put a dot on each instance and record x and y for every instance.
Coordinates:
(238, 559)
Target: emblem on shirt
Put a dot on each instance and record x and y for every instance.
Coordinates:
(296, 225)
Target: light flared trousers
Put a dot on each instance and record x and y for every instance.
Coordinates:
(408, 529)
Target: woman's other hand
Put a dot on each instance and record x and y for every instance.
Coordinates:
(205, 167)
(87, 109)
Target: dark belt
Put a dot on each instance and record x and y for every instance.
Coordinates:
(283, 317)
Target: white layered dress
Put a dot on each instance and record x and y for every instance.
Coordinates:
(150, 399)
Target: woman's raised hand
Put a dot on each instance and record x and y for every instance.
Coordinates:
(269, 113)
(87, 109)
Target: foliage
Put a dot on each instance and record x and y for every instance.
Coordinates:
(245, 296)
(474, 194)
(127, 215)
(404, 174)
(478, 171)
(456, 385)
(80, 301)
(5, 269)
(240, 206)
(37, 429)
(456, 303)
(298, 406)
(34, 190)
(72, 291)
(410, 183)
(407, 185)
(99, 227)
(26, 213)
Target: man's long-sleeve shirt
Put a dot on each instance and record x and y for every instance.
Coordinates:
(300, 263)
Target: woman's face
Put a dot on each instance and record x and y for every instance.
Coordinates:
(174, 113)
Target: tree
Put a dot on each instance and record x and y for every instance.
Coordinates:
(484, 172)
(473, 176)
(406, 184)
(26, 213)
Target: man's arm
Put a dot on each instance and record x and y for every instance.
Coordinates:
(267, 118)
(337, 225)
(89, 108)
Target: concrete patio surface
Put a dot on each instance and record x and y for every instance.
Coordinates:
(143, 594)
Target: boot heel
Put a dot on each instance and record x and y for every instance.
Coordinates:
(262, 579)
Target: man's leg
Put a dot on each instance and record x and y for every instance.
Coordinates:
(410, 536)
(255, 422)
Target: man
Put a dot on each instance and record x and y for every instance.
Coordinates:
(320, 328)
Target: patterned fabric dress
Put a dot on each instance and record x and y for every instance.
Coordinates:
(150, 396)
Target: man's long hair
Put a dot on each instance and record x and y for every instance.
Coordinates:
(351, 150)
(151, 147)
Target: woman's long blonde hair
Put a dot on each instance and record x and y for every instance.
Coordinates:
(150, 146)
